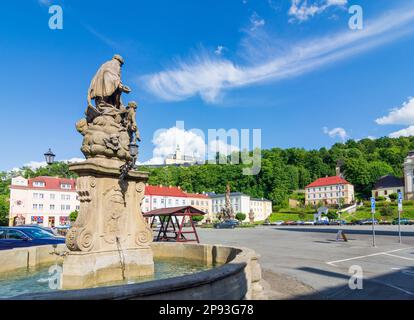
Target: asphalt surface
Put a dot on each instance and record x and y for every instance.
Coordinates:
(306, 262)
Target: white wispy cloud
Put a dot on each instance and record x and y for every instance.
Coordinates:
(302, 10)
(336, 133)
(403, 115)
(256, 21)
(219, 50)
(45, 2)
(208, 75)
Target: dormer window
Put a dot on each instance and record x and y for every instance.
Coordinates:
(38, 184)
(66, 186)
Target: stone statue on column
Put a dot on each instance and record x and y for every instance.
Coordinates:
(110, 239)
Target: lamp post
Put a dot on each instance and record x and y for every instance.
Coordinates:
(50, 157)
(129, 165)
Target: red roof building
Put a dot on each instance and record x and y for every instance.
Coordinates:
(329, 191)
(328, 181)
(160, 197)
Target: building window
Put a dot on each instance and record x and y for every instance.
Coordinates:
(40, 206)
(66, 186)
(68, 207)
(62, 207)
(38, 184)
(35, 196)
(52, 207)
(78, 207)
(35, 206)
(52, 196)
(386, 192)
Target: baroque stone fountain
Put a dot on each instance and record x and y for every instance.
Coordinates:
(110, 240)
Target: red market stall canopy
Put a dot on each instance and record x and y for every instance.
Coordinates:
(172, 229)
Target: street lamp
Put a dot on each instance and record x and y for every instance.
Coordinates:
(50, 157)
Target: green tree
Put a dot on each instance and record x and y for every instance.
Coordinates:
(73, 216)
(332, 215)
(393, 196)
(4, 210)
(241, 216)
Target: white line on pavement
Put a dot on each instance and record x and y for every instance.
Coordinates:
(395, 256)
(332, 263)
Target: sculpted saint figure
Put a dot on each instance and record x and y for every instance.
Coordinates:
(131, 122)
(110, 127)
(106, 87)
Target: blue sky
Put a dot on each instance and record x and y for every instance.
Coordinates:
(291, 68)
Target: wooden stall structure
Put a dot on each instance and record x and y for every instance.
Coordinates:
(176, 224)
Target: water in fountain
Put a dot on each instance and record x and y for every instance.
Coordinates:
(43, 279)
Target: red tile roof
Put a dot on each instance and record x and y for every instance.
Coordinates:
(165, 191)
(50, 183)
(197, 195)
(328, 181)
(176, 192)
(53, 183)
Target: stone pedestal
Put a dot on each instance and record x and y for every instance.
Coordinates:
(110, 241)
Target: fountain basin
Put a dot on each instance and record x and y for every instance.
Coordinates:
(237, 275)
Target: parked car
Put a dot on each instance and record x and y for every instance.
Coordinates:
(404, 221)
(278, 223)
(20, 237)
(290, 223)
(309, 223)
(337, 222)
(228, 224)
(366, 222)
(385, 223)
(322, 223)
(300, 223)
(50, 230)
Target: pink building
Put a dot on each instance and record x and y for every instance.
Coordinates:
(46, 201)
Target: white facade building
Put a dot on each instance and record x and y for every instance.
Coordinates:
(409, 176)
(242, 203)
(45, 201)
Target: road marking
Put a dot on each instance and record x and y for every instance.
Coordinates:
(395, 256)
(332, 263)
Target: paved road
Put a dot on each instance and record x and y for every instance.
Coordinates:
(319, 264)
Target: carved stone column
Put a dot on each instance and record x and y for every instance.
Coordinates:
(110, 241)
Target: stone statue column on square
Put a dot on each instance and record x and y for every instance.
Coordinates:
(110, 240)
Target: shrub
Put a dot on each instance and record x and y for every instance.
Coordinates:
(198, 218)
(387, 211)
(393, 196)
(73, 216)
(241, 217)
(380, 198)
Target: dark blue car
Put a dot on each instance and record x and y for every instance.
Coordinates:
(15, 237)
(228, 224)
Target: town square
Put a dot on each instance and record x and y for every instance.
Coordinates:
(294, 183)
